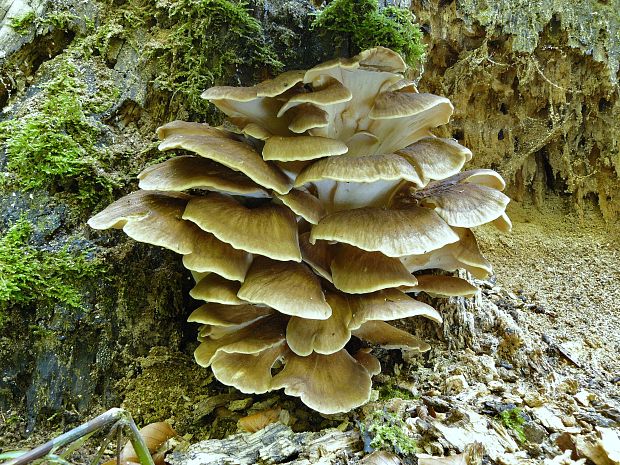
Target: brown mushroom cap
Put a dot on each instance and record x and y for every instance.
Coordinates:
(188, 172)
(364, 169)
(325, 383)
(436, 158)
(389, 304)
(345, 183)
(331, 93)
(221, 147)
(463, 254)
(150, 216)
(322, 336)
(269, 230)
(383, 59)
(243, 106)
(250, 373)
(227, 315)
(394, 233)
(357, 271)
(401, 118)
(368, 361)
(503, 223)
(289, 287)
(307, 116)
(301, 148)
(462, 203)
(317, 255)
(246, 338)
(214, 288)
(303, 204)
(389, 337)
(279, 84)
(210, 255)
(436, 285)
(256, 131)
(189, 128)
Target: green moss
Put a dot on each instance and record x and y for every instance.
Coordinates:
(21, 24)
(513, 420)
(383, 430)
(391, 391)
(212, 39)
(63, 20)
(362, 24)
(192, 44)
(53, 147)
(45, 278)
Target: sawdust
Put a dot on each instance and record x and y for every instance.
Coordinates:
(570, 269)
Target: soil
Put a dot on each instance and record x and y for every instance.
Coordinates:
(570, 267)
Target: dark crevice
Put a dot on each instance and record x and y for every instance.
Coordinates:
(27, 60)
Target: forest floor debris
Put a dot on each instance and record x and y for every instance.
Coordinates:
(542, 388)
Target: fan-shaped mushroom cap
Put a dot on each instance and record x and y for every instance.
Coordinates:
(331, 68)
(317, 255)
(383, 59)
(307, 116)
(357, 271)
(365, 169)
(462, 203)
(221, 147)
(188, 128)
(188, 172)
(436, 285)
(301, 148)
(210, 255)
(363, 181)
(322, 336)
(214, 288)
(436, 158)
(330, 93)
(463, 254)
(269, 230)
(279, 84)
(289, 287)
(303, 204)
(394, 233)
(362, 143)
(150, 216)
(369, 361)
(482, 177)
(250, 338)
(389, 337)
(404, 85)
(250, 373)
(401, 118)
(256, 131)
(243, 106)
(389, 304)
(227, 315)
(325, 383)
(503, 223)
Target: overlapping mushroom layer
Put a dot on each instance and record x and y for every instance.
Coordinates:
(303, 227)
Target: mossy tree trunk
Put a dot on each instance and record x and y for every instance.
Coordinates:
(536, 96)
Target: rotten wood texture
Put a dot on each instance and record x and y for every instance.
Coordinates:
(275, 444)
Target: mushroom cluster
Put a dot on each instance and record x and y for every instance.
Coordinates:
(304, 220)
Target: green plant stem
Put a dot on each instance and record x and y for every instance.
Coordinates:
(110, 417)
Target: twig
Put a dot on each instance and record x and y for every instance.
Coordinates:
(111, 417)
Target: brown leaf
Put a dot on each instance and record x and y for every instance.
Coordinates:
(154, 435)
(257, 421)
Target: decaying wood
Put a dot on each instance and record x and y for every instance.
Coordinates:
(275, 444)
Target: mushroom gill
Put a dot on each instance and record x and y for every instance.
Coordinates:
(304, 227)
